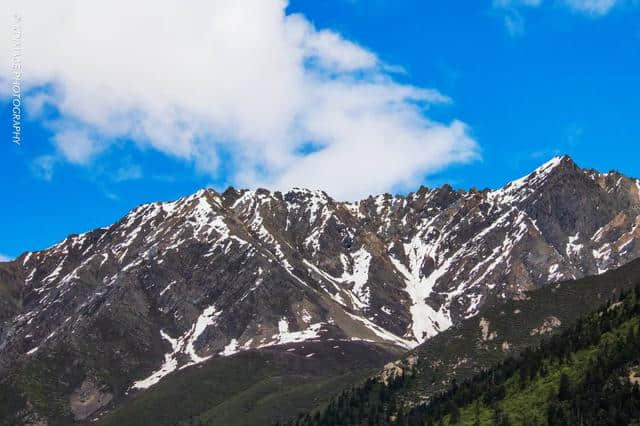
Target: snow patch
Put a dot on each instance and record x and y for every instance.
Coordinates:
(285, 336)
(164, 290)
(359, 276)
(427, 322)
(168, 366)
(602, 257)
(231, 348)
(554, 273)
(207, 318)
(182, 345)
(573, 248)
(382, 333)
(519, 189)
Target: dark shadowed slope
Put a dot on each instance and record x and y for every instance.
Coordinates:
(113, 312)
(502, 331)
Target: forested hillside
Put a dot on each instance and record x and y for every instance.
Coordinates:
(586, 374)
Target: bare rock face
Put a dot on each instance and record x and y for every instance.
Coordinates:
(547, 326)
(398, 368)
(88, 399)
(177, 283)
(484, 329)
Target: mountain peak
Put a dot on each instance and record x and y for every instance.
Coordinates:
(521, 188)
(562, 161)
(209, 275)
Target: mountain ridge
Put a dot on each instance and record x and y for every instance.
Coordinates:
(467, 359)
(174, 284)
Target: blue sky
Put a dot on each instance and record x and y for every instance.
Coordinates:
(529, 79)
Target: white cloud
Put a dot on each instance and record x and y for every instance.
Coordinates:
(513, 21)
(592, 7)
(513, 3)
(43, 165)
(598, 7)
(4, 258)
(127, 172)
(76, 145)
(243, 78)
(510, 10)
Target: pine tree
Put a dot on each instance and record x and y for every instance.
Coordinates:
(564, 390)
(454, 410)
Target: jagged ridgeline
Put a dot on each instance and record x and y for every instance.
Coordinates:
(586, 372)
(262, 304)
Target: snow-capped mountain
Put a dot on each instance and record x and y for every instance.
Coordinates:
(209, 275)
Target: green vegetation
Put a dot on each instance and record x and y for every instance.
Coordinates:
(43, 385)
(249, 388)
(583, 375)
(372, 403)
(275, 398)
(262, 387)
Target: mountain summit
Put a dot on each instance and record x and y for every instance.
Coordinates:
(178, 283)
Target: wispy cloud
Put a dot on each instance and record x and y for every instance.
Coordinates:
(545, 154)
(575, 132)
(76, 144)
(42, 166)
(5, 258)
(127, 172)
(513, 21)
(243, 78)
(112, 196)
(511, 11)
(592, 7)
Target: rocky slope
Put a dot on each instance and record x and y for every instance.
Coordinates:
(492, 365)
(175, 284)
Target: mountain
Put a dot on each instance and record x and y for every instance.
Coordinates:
(588, 375)
(418, 388)
(92, 322)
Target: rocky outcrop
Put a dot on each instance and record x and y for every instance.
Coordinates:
(88, 399)
(399, 368)
(177, 283)
(548, 325)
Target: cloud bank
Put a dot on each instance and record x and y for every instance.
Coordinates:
(281, 102)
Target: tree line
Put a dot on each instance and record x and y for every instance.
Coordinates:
(600, 392)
